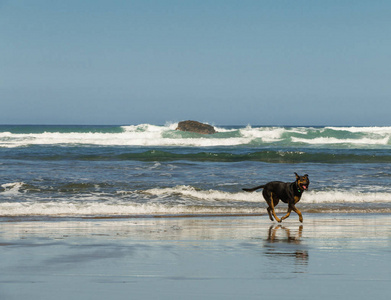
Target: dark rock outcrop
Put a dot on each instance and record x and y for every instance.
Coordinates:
(197, 127)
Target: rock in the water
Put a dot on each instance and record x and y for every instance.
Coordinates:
(197, 127)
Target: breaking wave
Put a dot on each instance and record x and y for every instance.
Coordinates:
(153, 135)
(185, 200)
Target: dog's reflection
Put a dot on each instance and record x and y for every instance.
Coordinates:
(285, 243)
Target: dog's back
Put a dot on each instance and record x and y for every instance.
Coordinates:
(277, 187)
(282, 190)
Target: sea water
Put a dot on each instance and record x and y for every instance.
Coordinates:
(148, 170)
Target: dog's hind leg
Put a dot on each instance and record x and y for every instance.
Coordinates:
(273, 203)
(269, 211)
(267, 196)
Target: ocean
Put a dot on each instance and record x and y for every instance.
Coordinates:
(85, 172)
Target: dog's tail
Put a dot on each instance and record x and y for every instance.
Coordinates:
(254, 189)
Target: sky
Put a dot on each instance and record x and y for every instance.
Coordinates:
(223, 62)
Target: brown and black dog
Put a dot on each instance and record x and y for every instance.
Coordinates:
(287, 192)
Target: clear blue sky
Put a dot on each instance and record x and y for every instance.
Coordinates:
(225, 62)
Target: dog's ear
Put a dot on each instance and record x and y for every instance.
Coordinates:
(297, 176)
(305, 175)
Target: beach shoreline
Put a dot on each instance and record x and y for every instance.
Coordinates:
(338, 255)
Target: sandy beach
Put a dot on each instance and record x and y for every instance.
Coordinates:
(328, 257)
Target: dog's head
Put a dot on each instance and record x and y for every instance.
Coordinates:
(302, 182)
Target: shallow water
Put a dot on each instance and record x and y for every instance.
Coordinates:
(341, 256)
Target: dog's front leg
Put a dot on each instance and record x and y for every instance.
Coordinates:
(287, 214)
(296, 210)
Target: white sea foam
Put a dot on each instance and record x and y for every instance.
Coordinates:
(332, 140)
(267, 134)
(204, 195)
(179, 200)
(153, 135)
(336, 196)
(374, 129)
(12, 188)
(139, 135)
(65, 209)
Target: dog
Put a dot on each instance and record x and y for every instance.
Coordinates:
(287, 192)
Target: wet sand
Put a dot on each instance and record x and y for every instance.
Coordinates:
(341, 256)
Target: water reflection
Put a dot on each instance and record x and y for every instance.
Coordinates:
(284, 246)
